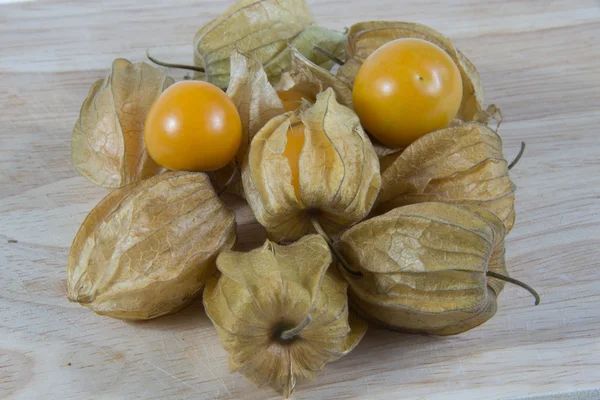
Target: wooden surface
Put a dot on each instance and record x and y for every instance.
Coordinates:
(539, 60)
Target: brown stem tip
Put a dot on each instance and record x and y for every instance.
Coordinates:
(518, 157)
(329, 55)
(293, 332)
(516, 282)
(171, 65)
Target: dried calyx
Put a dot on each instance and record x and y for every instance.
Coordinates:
(280, 313)
(310, 79)
(336, 167)
(257, 102)
(107, 145)
(462, 164)
(147, 249)
(431, 267)
(242, 27)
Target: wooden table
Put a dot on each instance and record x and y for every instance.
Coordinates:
(539, 60)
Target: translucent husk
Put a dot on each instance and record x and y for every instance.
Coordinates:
(310, 79)
(107, 145)
(257, 102)
(424, 267)
(148, 248)
(338, 172)
(463, 164)
(262, 30)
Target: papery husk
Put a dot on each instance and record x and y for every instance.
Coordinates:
(274, 288)
(148, 248)
(257, 102)
(253, 95)
(424, 267)
(338, 172)
(107, 145)
(310, 79)
(334, 42)
(365, 37)
(462, 164)
(262, 30)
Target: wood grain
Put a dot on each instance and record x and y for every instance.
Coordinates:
(539, 60)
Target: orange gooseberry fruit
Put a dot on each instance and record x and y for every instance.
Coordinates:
(293, 147)
(292, 99)
(193, 126)
(405, 89)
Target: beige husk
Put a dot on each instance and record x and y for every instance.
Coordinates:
(262, 30)
(107, 145)
(310, 79)
(424, 267)
(257, 102)
(273, 289)
(338, 172)
(148, 248)
(462, 164)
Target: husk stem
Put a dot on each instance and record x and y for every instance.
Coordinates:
(518, 157)
(173, 65)
(293, 332)
(516, 282)
(328, 55)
